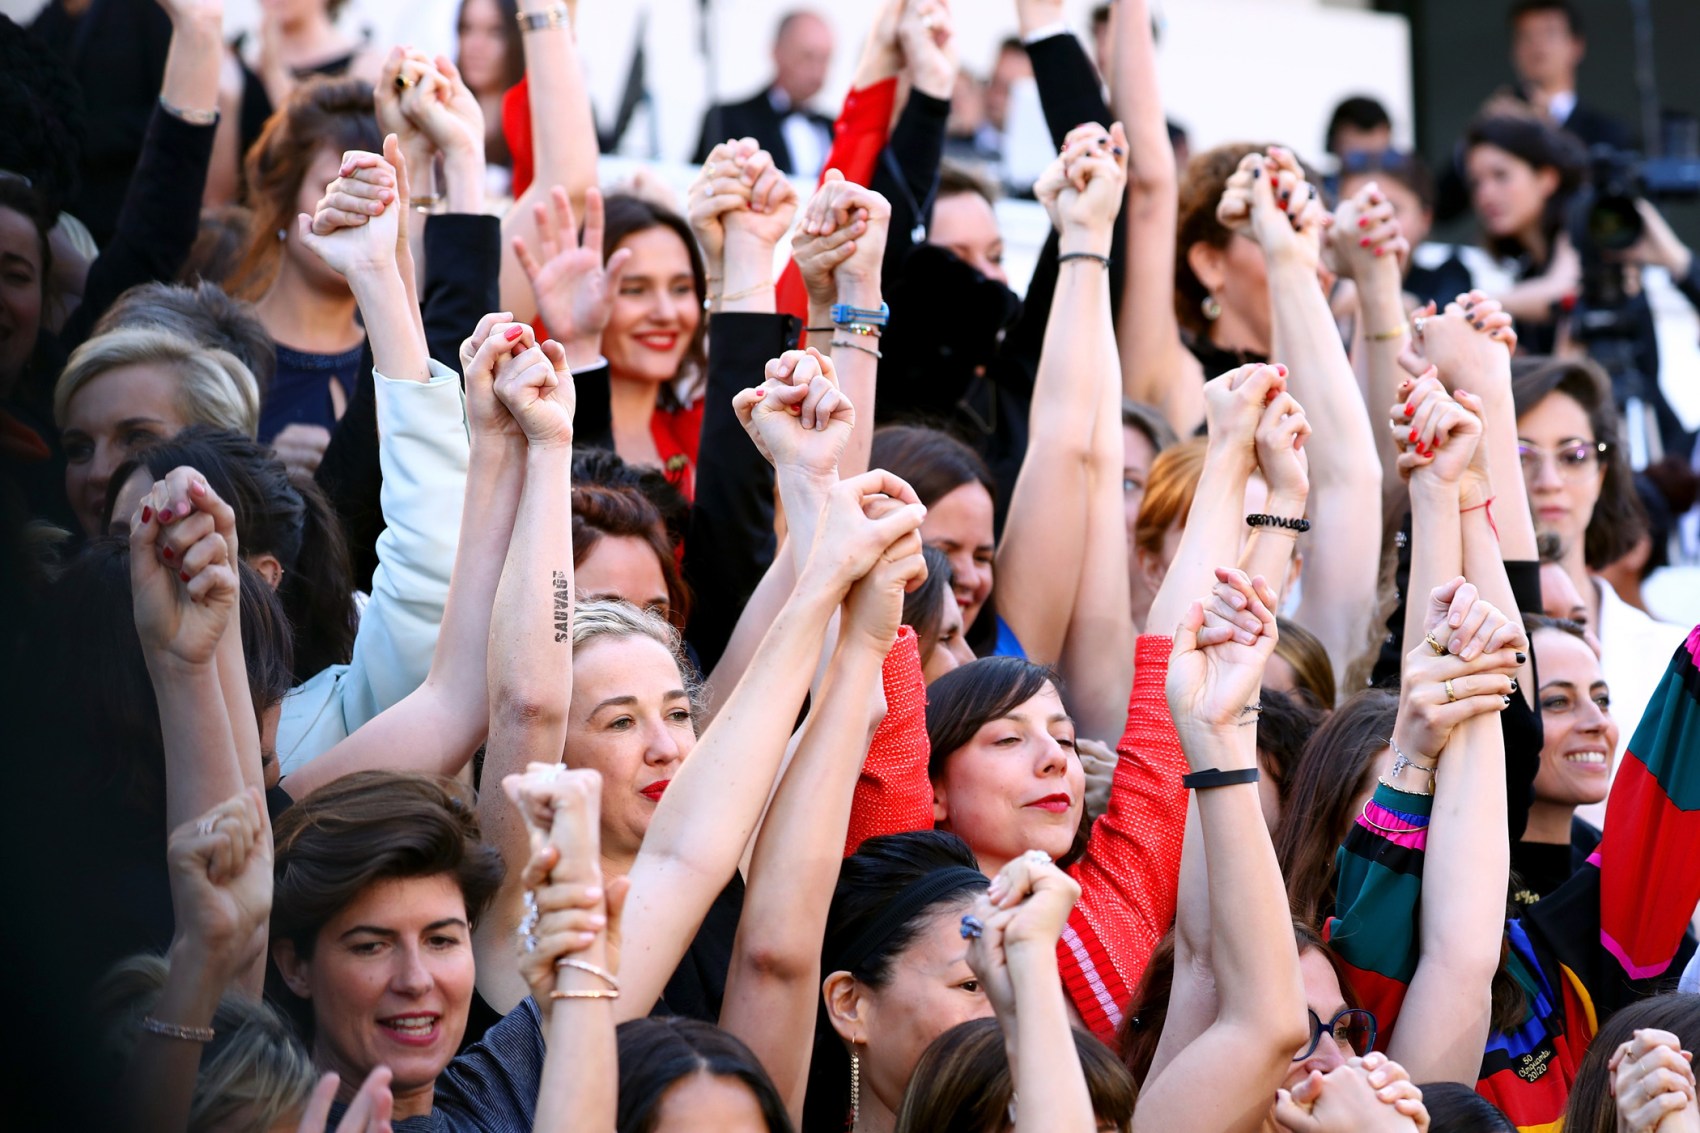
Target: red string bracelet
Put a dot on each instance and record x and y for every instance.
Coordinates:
(1486, 505)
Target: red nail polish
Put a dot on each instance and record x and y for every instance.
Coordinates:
(167, 552)
(1414, 438)
(184, 575)
(147, 514)
(1363, 222)
(760, 393)
(1409, 406)
(1364, 243)
(1280, 369)
(165, 515)
(514, 332)
(1379, 251)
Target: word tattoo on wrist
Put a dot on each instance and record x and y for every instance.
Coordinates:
(563, 606)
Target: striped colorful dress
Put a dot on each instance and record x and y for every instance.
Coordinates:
(1601, 940)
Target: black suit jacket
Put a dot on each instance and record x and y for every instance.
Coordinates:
(753, 118)
(1597, 128)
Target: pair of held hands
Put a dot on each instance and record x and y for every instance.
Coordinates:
(1652, 1082)
(1251, 415)
(1372, 1094)
(220, 871)
(428, 106)
(916, 38)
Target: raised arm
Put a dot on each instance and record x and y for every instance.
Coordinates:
(1269, 200)
(1215, 672)
(435, 728)
(530, 659)
(1047, 520)
(1012, 946)
(774, 981)
(1156, 367)
(220, 867)
(1368, 248)
(710, 811)
(563, 132)
(185, 588)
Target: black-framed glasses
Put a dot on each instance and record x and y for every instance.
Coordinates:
(1353, 1028)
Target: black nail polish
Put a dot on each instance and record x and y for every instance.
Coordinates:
(1505, 701)
(1256, 173)
(1513, 684)
(1479, 325)
(1521, 658)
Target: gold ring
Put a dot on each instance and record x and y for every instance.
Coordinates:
(1439, 649)
(708, 170)
(1450, 695)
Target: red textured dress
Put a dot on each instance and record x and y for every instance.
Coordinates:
(1130, 872)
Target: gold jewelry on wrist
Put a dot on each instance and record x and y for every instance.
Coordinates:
(554, 16)
(1368, 821)
(602, 974)
(1399, 331)
(595, 993)
(176, 1030)
(429, 203)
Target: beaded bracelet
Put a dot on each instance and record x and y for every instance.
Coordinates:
(176, 1030)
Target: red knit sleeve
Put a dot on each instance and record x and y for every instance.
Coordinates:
(516, 131)
(857, 139)
(1130, 872)
(894, 795)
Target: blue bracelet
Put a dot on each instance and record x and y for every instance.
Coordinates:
(843, 313)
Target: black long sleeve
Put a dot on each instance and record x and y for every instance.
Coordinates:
(157, 223)
(907, 173)
(1070, 94)
(731, 542)
(463, 263)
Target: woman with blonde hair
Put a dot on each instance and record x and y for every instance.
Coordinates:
(128, 387)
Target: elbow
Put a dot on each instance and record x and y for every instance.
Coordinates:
(525, 711)
(777, 962)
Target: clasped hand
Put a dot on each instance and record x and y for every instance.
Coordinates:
(1082, 189)
(183, 568)
(1020, 916)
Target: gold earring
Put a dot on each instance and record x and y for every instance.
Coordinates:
(1212, 309)
(855, 1087)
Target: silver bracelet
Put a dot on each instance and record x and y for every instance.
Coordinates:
(554, 16)
(176, 1030)
(193, 117)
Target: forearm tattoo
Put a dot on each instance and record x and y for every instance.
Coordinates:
(563, 584)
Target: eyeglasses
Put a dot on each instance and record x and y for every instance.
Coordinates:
(1574, 461)
(1354, 1027)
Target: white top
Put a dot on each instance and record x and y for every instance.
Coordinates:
(424, 451)
(1635, 652)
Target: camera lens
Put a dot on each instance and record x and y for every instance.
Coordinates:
(1613, 222)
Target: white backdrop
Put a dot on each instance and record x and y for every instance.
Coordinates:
(1231, 69)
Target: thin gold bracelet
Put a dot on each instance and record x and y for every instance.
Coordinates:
(1399, 331)
(596, 993)
(602, 974)
(744, 294)
(1368, 821)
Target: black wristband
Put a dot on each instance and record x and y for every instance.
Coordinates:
(1067, 256)
(1211, 777)
(1259, 519)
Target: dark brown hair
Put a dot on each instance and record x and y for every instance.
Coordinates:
(1539, 146)
(321, 113)
(1284, 726)
(274, 516)
(1592, 1109)
(923, 607)
(931, 461)
(657, 1053)
(1618, 520)
(513, 47)
(625, 215)
(962, 700)
(1200, 192)
(962, 1083)
(625, 512)
(1337, 766)
(375, 826)
(957, 178)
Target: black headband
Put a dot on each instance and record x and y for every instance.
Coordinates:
(911, 899)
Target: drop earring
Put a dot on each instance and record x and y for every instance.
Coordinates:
(855, 1087)
(1212, 309)
(282, 235)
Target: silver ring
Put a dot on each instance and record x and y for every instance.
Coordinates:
(708, 169)
(1417, 325)
(206, 826)
(1036, 857)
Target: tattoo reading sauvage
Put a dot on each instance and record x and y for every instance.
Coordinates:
(563, 606)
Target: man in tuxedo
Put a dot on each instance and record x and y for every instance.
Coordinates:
(1546, 49)
(779, 117)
